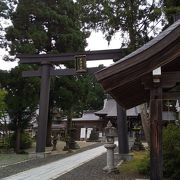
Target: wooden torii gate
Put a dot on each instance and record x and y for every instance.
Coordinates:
(46, 71)
(150, 74)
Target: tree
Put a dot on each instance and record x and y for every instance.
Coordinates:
(46, 27)
(3, 111)
(171, 9)
(132, 18)
(6, 7)
(3, 14)
(21, 100)
(75, 94)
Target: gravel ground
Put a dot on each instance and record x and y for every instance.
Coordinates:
(89, 171)
(93, 170)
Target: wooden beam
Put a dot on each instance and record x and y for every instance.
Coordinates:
(31, 73)
(168, 80)
(114, 54)
(59, 72)
(171, 95)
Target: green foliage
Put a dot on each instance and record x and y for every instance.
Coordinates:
(48, 27)
(3, 8)
(133, 19)
(6, 7)
(94, 136)
(133, 165)
(171, 151)
(171, 154)
(26, 141)
(22, 96)
(144, 166)
(45, 26)
(3, 106)
(21, 99)
(7, 144)
(78, 93)
(171, 8)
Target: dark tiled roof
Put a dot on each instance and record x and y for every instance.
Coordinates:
(110, 109)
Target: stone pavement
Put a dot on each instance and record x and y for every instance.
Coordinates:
(86, 165)
(59, 167)
(33, 163)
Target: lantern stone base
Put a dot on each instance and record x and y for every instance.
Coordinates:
(112, 170)
(110, 158)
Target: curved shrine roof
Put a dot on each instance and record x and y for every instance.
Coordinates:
(124, 79)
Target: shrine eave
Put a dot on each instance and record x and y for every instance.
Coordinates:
(124, 79)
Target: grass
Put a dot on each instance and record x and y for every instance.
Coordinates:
(7, 159)
(132, 166)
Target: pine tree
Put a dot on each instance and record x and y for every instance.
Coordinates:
(6, 8)
(21, 102)
(132, 18)
(46, 27)
(171, 9)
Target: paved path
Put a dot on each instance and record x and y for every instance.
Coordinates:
(60, 167)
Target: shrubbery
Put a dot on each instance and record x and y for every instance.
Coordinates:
(144, 166)
(171, 154)
(26, 141)
(171, 151)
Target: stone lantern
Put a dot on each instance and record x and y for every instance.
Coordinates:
(110, 133)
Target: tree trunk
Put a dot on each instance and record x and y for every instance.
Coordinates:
(68, 129)
(18, 138)
(48, 136)
(145, 122)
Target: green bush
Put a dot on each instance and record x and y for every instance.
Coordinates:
(94, 136)
(171, 154)
(144, 166)
(171, 151)
(25, 143)
(7, 142)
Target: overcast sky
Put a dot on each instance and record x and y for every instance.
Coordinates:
(95, 42)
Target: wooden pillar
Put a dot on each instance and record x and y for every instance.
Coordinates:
(122, 131)
(156, 166)
(43, 108)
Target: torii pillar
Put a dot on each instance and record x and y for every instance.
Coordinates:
(43, 108)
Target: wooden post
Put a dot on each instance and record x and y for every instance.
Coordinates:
(43, 108)
(156, 168)
(122, 131)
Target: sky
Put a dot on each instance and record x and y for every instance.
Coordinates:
(95, 42)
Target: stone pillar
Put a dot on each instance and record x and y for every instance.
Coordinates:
(43, 109)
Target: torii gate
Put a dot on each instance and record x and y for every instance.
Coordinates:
(46, 71)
